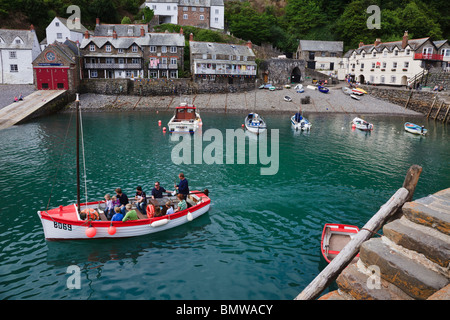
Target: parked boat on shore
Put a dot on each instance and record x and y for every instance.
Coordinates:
(415, 129)
(185, 120)
(361, 124)
(255, 123)
(287, 99)
(334, 238)
(323, 89)
(347, 90)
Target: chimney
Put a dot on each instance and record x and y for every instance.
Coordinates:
(361, 44)
(86, 34)
(405, 40)
(142, 32)
(191, 37)
(114, 34)
(377, 42)
(97, 22)
(249, 44)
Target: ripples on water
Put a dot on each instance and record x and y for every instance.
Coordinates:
(260, 239)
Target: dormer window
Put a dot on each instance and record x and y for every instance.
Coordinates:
(18, 41)
(395, 52)
(408, 51)
(134, 48)
(92, 47)
(374, 54)
(108, 48)
(363, 54)
(130, 31)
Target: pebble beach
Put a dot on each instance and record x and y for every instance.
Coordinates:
(260, 100)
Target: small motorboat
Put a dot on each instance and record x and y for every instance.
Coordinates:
(323, 89)
(353, 96)
(334, 238)
(360, 90)
(185, 120)
(288, 99)
(311, 87)
(255, 123)
(361, 124)
(347, 90)
(298, 122)
(272, 88)
(357, 92)
(287, 86)
(415, 129)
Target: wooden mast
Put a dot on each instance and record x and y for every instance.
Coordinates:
(77, 104)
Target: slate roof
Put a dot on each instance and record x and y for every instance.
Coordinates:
(7, 37)
(316, 45)
(200, 47)
(122, 30)
(82, 29)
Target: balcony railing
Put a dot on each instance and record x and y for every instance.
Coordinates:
(163, 66)
(112, 66)
(226, 71)
(428, 56)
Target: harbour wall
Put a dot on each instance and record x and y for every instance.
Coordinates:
(419, 101)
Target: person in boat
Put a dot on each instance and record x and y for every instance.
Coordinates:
(298, 117)
(182, 204)
(89, 214)
(118, 216)
(123, 199)
(141, 199)
(131, 214)
(109, 209)
(169, 207)
(183, 185)
(157, 191)
(421, 129)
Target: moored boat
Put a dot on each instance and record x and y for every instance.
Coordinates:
(185, 120)
(323, 89)
(355, 97)
(415, 129)
(335, 237)
(298, 122)
(255, 123)
(347, 90)
(361, 124)
(357, 92)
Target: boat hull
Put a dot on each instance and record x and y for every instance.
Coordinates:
(184, 126)
(61, 228)
(415, 129)
(334, 238)
(303, 125)
(362, 124)
(258, 126)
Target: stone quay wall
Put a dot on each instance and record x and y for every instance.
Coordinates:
(419, 101)
(164, 87)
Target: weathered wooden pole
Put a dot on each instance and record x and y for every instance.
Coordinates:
(445, 117)
(431, 108)
(335, 267)
(439, 110)
(409, 98)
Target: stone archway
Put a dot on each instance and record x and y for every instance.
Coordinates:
(404, 81)
(361, 79)
(296, 75)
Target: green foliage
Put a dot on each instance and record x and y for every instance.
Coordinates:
(126, 20)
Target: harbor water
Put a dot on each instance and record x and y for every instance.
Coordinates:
(261, 237)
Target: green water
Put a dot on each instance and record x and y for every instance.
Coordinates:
(261, 237)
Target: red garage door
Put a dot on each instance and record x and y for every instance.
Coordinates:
(52, 78)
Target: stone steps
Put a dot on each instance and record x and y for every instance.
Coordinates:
(410, 261)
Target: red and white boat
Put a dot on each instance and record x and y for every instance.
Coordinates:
(335, 236)
(185, 120)
(64, 223)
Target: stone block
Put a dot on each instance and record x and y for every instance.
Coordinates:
(411, 277)
(359, 286)
(333, 295)
(425, 215)
(431, 243)
(443, 294)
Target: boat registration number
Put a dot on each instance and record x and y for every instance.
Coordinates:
(63, 226)
(181, 127)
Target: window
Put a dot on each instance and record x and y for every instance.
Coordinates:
(202, 9)
(217, 11)
(153, 74)
(363, 54)
(108, 48)
(153, 7)
(60, 85)
(408, 51)
(406, 64)
(173, 60)
(13, 68)
(152, 49)
(185, 16)
(332, 54)
(94, 74)
(164, 60)
(168, 8)
(374, 54)
(13, 54)
(57, 24)
(373, 65)
(193, 9)
(134, 48)
(59, 36)
(185, 8)
(394, 64)
(121, 61)
(362, 65)
(385, 53)
(393, 79)
(173, 49)
(216, 19)
(382, 79)
(164, 49)
(173, 74)
(446, 52)
(395, 52)
(136, 61)
(120, 50)
(384, 65)
(109, 60)
(92, 47)
(202, 17)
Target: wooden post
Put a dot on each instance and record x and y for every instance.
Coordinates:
(445, 117)
(407, 102)
(431, 108)
(439, 110)
(335, 267)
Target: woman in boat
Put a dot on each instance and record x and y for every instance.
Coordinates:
(141, 199)
(182, 204)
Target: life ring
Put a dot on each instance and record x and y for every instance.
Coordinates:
(91, 214)
(150, 211)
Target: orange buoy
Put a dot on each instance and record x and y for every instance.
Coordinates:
(91, 232)
(159, 123)
(111, 230)
(164, 129)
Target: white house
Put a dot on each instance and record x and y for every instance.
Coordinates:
(393, 63)
(61, 29)
(166, 11)
(217, 14)
(18, 49)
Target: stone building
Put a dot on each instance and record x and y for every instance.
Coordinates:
(208, 14)
(222, 62)
(394, 63)
(320, 55)
(282, 70)
(18, 49)
(130, 51)
(58, 67)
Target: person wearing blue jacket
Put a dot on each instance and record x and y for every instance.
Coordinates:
(182, 186)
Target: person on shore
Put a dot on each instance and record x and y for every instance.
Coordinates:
(109, 209)
(131, 214)
(182, 205)
(141, 199)
(20, 97)
(15, 99)
(157, 191)
(118, 216)
(123, 199)
(183, 185)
